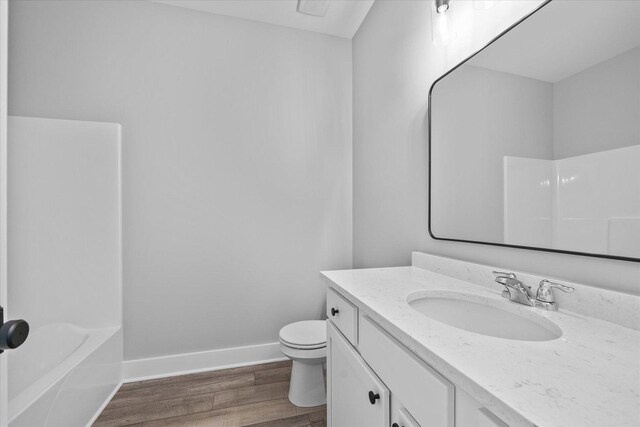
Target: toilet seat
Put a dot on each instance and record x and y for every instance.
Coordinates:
(304, 335)
(302, 347)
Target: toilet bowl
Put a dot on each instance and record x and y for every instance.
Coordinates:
(305, 343)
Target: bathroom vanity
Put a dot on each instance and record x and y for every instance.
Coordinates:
(404, 349)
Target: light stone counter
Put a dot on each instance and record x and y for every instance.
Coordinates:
(588, 377)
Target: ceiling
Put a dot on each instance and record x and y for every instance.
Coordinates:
(343, 17)
(565, 37)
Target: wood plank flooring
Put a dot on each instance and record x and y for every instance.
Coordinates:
(253, 396)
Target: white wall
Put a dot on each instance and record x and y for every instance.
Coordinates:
(597, 109)
(480, 116)
(394, 64)
(236, 159)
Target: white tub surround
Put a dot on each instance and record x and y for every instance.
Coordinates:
(66, 269)
(590, 376)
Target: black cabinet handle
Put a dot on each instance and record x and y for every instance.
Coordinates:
(395, 425)
(334, 311)
(373, 397)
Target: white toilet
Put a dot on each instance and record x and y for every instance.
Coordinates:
(305, 343)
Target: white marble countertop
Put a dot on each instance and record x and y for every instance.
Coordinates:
(588, 377)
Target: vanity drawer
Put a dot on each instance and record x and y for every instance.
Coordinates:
(343, 314)
(426, 394)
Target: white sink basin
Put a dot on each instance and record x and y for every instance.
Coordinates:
(485, 316)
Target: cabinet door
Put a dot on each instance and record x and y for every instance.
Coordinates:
(351, 385)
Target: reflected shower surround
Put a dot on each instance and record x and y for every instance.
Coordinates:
(549, 203)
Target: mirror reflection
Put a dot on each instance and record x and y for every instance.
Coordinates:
(535, 141)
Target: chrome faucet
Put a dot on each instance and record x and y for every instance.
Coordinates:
(516, 291)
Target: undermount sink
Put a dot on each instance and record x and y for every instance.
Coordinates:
(485, 316)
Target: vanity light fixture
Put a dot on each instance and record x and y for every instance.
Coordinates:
(442, 6)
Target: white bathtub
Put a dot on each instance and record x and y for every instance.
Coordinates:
(63, 375)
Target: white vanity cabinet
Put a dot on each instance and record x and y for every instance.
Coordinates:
(364, 361)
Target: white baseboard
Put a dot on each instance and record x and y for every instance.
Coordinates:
(188, 363)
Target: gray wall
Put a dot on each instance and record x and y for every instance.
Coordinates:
(236, 157)
(394, 64)
(599, 108)
(480, 116)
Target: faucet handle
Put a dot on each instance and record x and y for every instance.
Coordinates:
(544, 293)
(505, 274)
(563, 288)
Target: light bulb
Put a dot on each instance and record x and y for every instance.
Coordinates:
(442, 6)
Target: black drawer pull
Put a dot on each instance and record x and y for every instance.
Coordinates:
(334, 311)
(373, 397)
(395, 425)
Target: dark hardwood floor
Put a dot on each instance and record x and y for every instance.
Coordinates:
(250, 396)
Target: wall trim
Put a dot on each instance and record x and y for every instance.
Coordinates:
(188, 363)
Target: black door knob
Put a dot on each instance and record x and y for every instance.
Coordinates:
(373, 397)
(13, 333)
(395, 425)
(334, 311)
